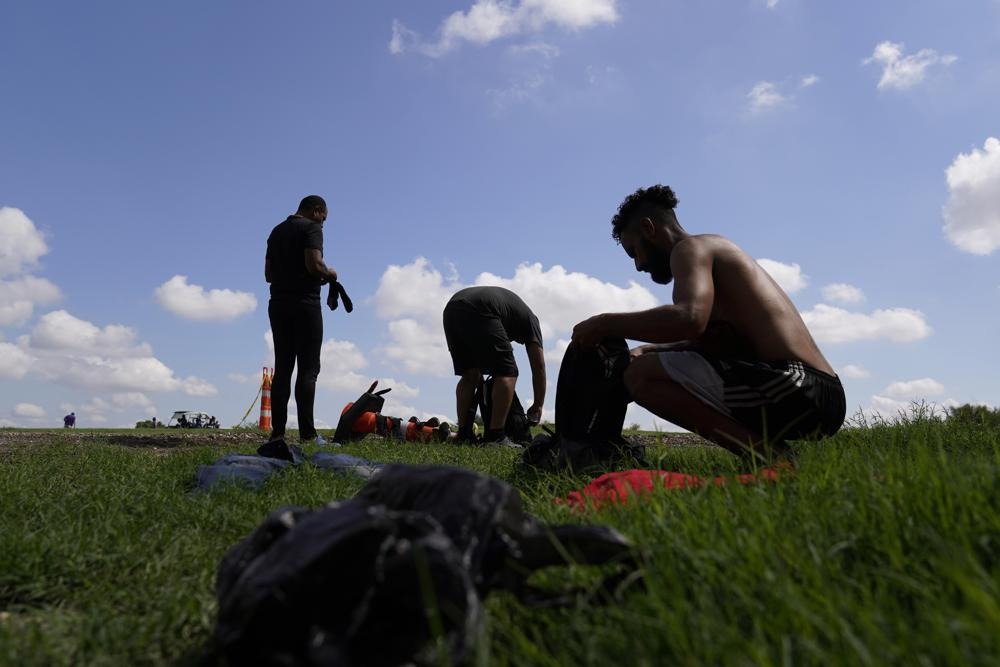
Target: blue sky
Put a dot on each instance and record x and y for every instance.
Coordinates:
(147, 149)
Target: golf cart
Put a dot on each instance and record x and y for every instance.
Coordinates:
(192, 419)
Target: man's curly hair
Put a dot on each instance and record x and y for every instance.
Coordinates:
(656, 198)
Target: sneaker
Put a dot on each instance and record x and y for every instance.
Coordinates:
(504, 442)
(320, 440)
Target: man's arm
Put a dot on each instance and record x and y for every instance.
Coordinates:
(536, 358)
(267, 269)
(685, 319)
(316, 266)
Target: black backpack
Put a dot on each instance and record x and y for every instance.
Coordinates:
(516, 427)
(591, 401)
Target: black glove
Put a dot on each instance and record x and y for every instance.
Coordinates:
(342, 293)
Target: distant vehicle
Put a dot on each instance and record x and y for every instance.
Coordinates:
(192, 419)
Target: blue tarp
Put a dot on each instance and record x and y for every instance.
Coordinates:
(253, 469)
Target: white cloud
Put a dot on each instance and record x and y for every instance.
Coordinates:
(829, 324)
(29, 410)
(765, 95)
(65, 348)
(59, 330)
(419, 347)
(193, 302)
(771, 4)
(415, 289)
(489, 20)
(21, 244)
(19, 297)
(914, 389)
(788, 276)
(240, 378)
(808, 81)
(14, 362)
(413, 298)
(855, 372)
(196, 386)
(131, 399)
(972, 213)
(562, 298)
(901, 71)
(843, 293)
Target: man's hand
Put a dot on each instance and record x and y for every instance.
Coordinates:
(638, 351)
(534, 414)
(589, 333)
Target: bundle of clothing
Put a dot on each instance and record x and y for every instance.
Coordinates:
(398, 574)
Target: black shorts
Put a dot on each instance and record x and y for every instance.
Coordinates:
(778, 400)
(478, 341)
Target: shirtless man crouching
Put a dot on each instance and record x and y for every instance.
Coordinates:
(731, 358)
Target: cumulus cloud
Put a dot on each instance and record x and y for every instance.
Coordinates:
(855, 372)
(843, 293)
(29, 410)
(914, 389)
(788, 276)
(21, 244)
(19, 297)
(14, 362)
(489, 20)
(972, 213)
(194, 302)
(413, 297)
(419, 347)
(900, 71)
(829, 324)
(65, 348)
(562, 298)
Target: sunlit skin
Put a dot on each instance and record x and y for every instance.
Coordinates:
(723, 303)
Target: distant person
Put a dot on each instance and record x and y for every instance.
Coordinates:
(479, 324)
(731, 358)
(69, 421)
(294, 267)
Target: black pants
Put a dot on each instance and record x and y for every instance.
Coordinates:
(297, 329)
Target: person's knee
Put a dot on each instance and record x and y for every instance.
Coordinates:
(638, 375)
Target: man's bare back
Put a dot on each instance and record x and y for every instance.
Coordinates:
(750, 315)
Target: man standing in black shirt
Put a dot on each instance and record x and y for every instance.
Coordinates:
(479, 324)
(294, 267)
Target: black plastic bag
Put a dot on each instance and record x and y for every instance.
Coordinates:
(396, 575)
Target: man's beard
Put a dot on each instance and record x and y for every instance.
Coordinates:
(657, 265)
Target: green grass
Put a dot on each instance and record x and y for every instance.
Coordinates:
(881, 549)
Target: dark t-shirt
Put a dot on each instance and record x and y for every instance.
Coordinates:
(517, 319)
(286, 246)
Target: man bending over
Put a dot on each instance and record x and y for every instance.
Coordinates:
(479, 324)
(731, 358)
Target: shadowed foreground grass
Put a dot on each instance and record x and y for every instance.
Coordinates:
(882, 549)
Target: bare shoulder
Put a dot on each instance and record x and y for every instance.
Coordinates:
(712, 245)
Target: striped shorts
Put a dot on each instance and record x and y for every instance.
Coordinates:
(778, 400)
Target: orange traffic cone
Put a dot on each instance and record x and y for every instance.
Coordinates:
(265, 400)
